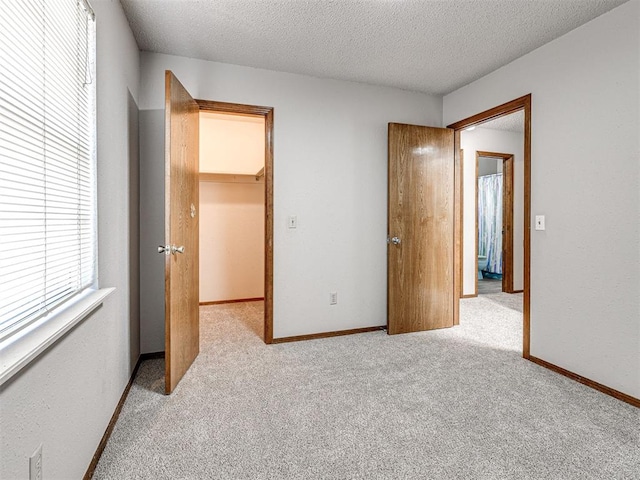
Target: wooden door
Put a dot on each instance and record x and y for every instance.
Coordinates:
(421, 228)
(182, 337)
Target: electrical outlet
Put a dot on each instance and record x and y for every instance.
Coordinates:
(333, 298)
(35, 464)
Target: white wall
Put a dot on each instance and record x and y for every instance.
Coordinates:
(585, 268)
(496, 141)
(151, 231)
(231, 240)
(330, 169)
(489, 166)
(231, 143)
(66, 397)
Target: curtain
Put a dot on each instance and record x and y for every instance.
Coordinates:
(490, 221)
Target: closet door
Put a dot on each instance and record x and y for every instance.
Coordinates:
(182, 337)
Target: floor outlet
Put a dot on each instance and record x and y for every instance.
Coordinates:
(333, 298)
(35, 464)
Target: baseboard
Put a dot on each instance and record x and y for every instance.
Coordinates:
(237, 300)
(589, 383)
(469, 295)
(114, 418)
(150, 356)
(517, 291)
(338, 333)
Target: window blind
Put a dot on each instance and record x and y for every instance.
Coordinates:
(47, 157)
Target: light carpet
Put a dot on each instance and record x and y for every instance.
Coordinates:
(456, 403)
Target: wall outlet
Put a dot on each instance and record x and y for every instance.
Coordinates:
(35, 464)
(333, 298)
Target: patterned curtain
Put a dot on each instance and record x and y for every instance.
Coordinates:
(490, 221)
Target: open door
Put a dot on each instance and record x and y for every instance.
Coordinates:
(421, 228)
(182, 336)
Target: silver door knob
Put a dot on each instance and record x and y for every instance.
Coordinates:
(395, 241)
(170, 249)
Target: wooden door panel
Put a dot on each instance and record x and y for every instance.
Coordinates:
(182, 337)
(421, 215)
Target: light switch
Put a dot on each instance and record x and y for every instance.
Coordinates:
(540, 222)
(292, 221)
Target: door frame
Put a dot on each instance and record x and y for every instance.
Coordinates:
(521, 103)
(267, 114)
(507, 218)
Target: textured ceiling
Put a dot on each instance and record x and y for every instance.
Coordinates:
(513, 122)
(433, 46)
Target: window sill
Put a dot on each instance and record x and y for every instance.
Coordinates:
(20, 349)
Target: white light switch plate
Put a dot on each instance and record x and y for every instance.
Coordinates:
(333, 298)
(540, 222)
(292, 221)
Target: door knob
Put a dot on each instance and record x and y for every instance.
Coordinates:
(170, 249)
(396, 241)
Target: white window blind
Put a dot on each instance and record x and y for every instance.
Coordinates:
(47, 157)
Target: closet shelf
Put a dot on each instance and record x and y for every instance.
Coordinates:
(231, 177)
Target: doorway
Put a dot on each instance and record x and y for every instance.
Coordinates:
(233, 181)
(522, 104)
(494, 238)
(181, 249)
